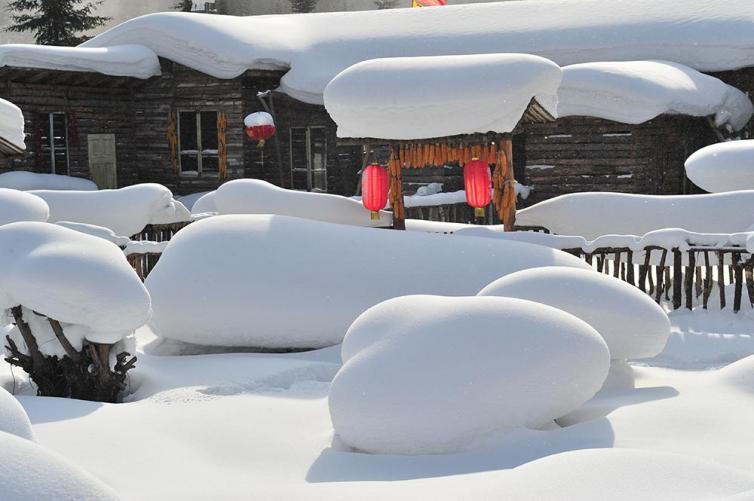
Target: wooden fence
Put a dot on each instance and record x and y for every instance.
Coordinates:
(144, 262)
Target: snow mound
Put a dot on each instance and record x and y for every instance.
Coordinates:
(29, 472)
(254, 196)
(13, 418)
(132, 60)
(27, 181)
(205, 204)
(723, 166)
(126, 211)
(708, 35)
(438, 375)
(96, 231)
(637, 91)
(80, 280)
(412, 97)
(188, 201)
(19, 206)
(631, 323)
(12, 124)
(594, 214)
(281, 282)
(181, 214)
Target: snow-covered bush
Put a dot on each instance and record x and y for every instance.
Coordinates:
(126, 211)
(432, 374)
(282, 282)
(631, 323)
(27, 181)
(30, 472)
(723, 166)
(19, 206)
(254, 196)
(13, 418)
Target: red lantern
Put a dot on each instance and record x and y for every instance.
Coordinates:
(260, 127)
(374, 189)
(476, 179)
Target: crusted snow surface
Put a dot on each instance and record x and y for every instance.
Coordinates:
(637, 91)
(723, 167)
(27, 181)
(19, 206)
(427, 97)
(12, 124)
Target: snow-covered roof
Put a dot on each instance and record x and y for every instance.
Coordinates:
(11, 128)
(636, 91)
(708, 35)
(132, 60)
(438, 96)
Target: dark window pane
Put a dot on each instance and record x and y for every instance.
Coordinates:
(187, 126)
(318, 163)
(299, 180)
(299, 164)
(189, 163)
(209, 130)
(209, 164)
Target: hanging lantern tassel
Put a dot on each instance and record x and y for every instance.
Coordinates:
(260, 127)
(476, 179)
(374, 189)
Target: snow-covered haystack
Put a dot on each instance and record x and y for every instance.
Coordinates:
(27, 181)
(637, 91)
(246, 270)
(593, 214)
(13, 418)
(431, 374)
(30, 472)
(723, 166)
(428, 97)
(126, 211)
(254, 196)
(12, 124)
(631, 323)
(19, 206)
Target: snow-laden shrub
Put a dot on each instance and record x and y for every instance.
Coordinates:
(19, 206)
(723, 167)
(631, 323)
(254, 196)
(30, 472)
(281, 282)
(13, 418)
(27, 181)
(431, 374)
(126, 211)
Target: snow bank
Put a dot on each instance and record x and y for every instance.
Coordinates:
(631, 323)
(27, 181)
(413, 97)
(29, 472)
(80, 280)
(126, 211)
(723, 166)
(636, 91)
(12, 124)
(438, 375)
(708, 35)
(13, 418)
(19, 206)
(593, 214)
(254, 196)
(280, 282)
(133, 60)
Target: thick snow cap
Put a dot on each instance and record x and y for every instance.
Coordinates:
(74, 278)
(12, 124)
(252, 264)
(19, 206)
(708, 35)
(430, 374)
(27, 181)
(636, 91)
(631, 323)
(723, 166)
(13, 418)
(428, 97)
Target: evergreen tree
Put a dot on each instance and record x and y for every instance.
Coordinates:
(55, 22)
(303, 5)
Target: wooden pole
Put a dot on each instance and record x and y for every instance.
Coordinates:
(396, 191)
(508, 207)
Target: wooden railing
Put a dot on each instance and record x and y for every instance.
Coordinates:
(144, 262)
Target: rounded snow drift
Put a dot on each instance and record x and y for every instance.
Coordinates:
(18, 206)
(631, 323)
(723, 167)
(13, 418)
(433, 374)
(29, 472)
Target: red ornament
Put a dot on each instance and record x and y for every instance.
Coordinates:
(477, 180)
(374, 189)
(259, 127)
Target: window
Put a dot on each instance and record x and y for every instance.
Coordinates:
(54, 142)
(197, 142)
(308, 158)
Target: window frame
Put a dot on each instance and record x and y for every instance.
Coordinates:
(200, 155)
(50, 128)
(310, 170)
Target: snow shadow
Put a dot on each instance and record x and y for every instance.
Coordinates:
(53, 409)
(514, 449)
(605, 403)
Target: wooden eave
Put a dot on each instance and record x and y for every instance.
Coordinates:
(65, 78)
(9, 149)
